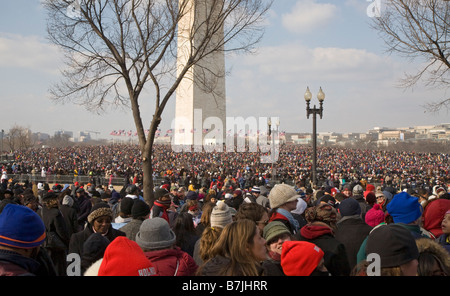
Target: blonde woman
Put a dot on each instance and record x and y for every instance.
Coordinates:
(238, 252)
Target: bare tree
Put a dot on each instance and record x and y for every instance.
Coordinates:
(18, 138)
(117, 49)
(419, 30)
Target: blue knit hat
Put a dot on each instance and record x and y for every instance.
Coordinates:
(404, 208)
(21, 227)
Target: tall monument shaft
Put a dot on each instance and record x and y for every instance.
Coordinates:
(203, 87)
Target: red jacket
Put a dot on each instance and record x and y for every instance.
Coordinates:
(172, 262)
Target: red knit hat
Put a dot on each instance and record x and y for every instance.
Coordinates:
(374, 216)
(300, 258)
(124, 257)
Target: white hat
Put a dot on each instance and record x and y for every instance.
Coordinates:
(281, 194)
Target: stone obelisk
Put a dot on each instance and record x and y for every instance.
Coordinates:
(201, 94)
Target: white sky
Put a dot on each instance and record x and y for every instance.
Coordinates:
(313, 43)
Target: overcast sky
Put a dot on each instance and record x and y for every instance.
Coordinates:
(313, 43)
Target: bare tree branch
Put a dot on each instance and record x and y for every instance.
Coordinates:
(419, 30)
(115, 49)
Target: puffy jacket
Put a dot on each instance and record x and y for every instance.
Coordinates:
(172, 262)
(335, 255)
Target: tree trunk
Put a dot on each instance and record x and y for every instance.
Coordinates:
(147, 162)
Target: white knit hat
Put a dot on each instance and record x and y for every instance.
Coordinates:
(221, 215)
(281, 194)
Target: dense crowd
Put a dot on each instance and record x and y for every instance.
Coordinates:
(396, 168)
(226, 214)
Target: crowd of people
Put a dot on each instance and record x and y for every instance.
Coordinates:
(225, 214)
(397, 168)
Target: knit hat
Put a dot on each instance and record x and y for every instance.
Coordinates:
(126, 205)
(274, 229)
(322, 213)
(21, 227)
(192, 195)
(98, 210)
(139, 209)
(374, 216)
(281, 194)
(123, 257)
(300, 258)
(221, 215)
(404, 208)
(349, 207)
(154, 234)
(94, 249)
(160, 192)
(256, 189)
(357, 190)
(67, 201)
(394, 243)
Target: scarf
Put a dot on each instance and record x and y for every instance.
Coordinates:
(164, 205)
(294, 223)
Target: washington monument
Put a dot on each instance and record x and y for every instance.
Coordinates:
(202, 91)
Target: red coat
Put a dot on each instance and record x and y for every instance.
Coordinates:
(172, 262)
(433, 214)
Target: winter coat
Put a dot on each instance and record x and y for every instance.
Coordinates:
(442, 240)
(70, 216)
(172, 262)
(54, 222)
(272, 266)
(215, 267)
(131, 228)
(335, 255)
(363, 204)
(77, 240)
(14, 264)
(352, 231)
(433, 247)
(85, 205)
(433, 214)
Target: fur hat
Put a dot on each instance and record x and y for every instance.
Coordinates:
(98, 210)
(281, 194)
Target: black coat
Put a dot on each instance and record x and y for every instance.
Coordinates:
(352, 231)
(70, 216)
(335, 256)
(77, 240)
(54, 222)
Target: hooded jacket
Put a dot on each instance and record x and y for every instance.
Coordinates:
(437, 250)
(172, 262)
(335, 256)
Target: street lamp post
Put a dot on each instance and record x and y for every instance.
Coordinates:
(314, 111)
(272, 139)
